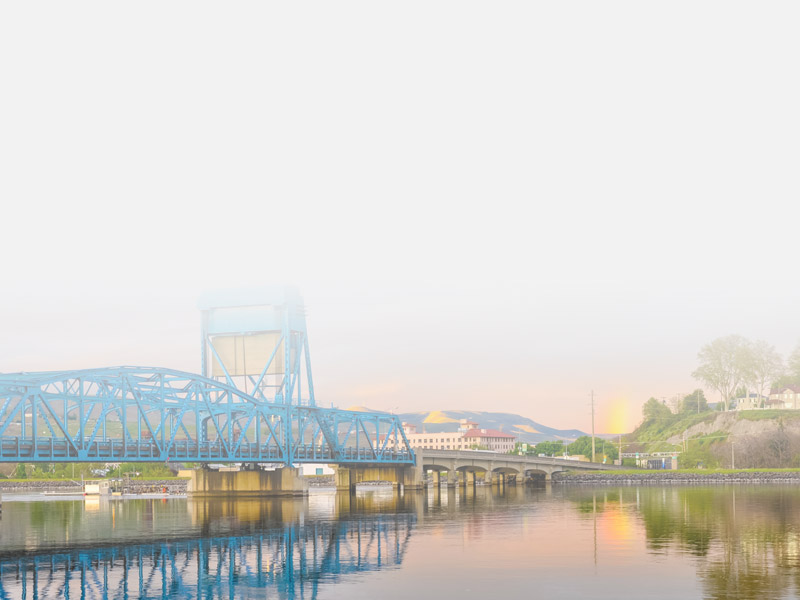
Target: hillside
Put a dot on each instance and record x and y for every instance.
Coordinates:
(750, 439)
(525, 429)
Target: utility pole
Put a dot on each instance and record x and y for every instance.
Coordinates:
(592, 425)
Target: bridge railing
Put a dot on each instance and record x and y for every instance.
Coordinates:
(49, 449)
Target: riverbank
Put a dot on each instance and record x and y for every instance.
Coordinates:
(133, 486)
(679, 477)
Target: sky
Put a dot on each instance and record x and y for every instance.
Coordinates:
(486, 206)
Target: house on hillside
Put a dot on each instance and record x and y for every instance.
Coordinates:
(752, 401)
(785, 397)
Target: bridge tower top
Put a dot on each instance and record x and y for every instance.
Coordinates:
(256, 340)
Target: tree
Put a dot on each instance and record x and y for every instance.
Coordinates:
(522, 448)
(724, 364)
(583, 446)
(765, 367)
(19, 472)
(550, 448)
(694, 402)
(655, 410)
(794, 363)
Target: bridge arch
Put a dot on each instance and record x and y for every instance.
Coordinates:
(472, 469)
(506, 470)
(437, 467)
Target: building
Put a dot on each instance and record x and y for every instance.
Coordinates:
(313, 469)
(751, 402)
(468, 437)
(785, 397)
(490, 439)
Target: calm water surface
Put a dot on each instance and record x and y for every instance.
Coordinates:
(648, 542)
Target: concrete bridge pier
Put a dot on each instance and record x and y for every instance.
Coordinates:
(280, 482)
(452, 478)
(437, 478)
(402, 478)
(469, 479)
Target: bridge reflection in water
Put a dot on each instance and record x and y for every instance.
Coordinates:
(290, 561)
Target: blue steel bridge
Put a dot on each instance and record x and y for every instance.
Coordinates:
(248, 406)
(150, 414)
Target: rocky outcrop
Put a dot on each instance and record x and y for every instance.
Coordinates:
(739, 425)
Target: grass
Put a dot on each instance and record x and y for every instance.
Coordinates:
(675, 426)
(763, 415)
(684, 471)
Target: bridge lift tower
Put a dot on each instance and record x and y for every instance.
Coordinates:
(256, 340)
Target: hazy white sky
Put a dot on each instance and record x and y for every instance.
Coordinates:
(490, 206)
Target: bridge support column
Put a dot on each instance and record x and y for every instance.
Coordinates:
(280, 482)
(405, 478)
(487, 477)
(470, 478)
(341, 478)
(412, 477)
(452, 478)
(436, 478)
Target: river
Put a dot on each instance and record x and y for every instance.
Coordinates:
(733, 541)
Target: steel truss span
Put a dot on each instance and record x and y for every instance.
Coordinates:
(146, 414)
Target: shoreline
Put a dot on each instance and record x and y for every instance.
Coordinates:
(67, 486)
(677, 478)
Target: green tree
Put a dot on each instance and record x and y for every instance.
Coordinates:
(725, 363)
(655, 410)
(19, 472)
(694, 403)
(522, 447)
(766, 365)
(550, 448)
(793, 364)
(583, 446)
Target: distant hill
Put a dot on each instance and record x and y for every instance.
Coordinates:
(526, 430)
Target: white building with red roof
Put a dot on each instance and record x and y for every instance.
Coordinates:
(464, 439)
(491, 439)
